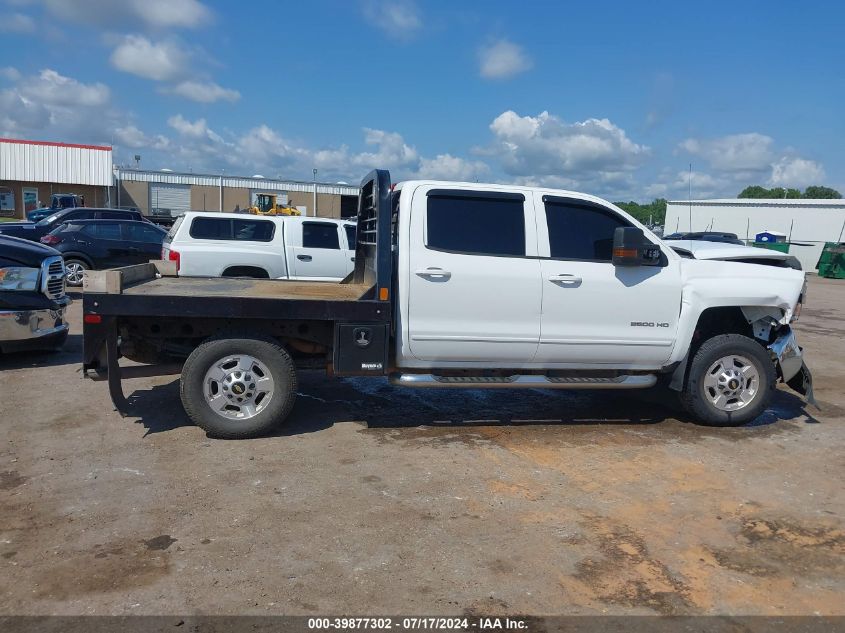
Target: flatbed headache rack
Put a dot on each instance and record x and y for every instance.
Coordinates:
(360, 303)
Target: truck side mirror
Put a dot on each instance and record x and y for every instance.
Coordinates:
(630, 248)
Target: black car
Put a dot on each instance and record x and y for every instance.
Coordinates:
(35, 231)
(98, 244)
(32, 296)
(707, 236)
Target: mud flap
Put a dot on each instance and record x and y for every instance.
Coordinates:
(802, 382)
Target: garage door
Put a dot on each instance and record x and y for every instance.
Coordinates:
(177, 198)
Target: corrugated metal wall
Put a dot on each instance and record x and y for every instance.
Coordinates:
(813, 222)
(55, 162)
(257, 184)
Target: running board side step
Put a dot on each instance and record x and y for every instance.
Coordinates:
(520, 381)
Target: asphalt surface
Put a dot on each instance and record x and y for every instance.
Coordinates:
(374, 500)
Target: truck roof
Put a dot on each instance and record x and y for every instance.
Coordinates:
(253, 216)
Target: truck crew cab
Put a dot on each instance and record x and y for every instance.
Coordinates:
(461, 285)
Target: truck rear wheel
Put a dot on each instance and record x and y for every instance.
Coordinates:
(730, 382)
(238, 386)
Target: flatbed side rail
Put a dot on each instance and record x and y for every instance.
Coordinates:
(115, 280)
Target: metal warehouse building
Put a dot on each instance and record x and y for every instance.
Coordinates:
(807, 223)
(148, 190)
(30, 171)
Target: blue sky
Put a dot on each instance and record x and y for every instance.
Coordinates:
(612, 98)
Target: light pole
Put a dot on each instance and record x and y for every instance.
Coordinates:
(315, 192)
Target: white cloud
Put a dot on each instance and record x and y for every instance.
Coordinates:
(746, 152)
(130, 13)
(448, 167)
(503, 59)
(197, 129)
(51, 88)
(796, 172)
(62, 107)
(160, 61)
(399, 19)
(545, 147)
(133, 138)
(10, 73)
(203, 91)
(16, 23)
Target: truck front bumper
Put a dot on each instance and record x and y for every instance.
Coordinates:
(32, 329)
(788, 356)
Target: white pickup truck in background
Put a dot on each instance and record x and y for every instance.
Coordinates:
(281, 247)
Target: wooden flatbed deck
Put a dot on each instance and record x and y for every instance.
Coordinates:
(246, 288)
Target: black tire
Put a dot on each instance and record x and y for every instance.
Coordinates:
(694, 396)
(75, 261)
(264, 349)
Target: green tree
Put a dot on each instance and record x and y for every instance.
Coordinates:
(817, 191)
(654, 211)
(756, 191)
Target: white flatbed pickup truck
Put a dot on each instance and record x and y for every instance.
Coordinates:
(461, 285)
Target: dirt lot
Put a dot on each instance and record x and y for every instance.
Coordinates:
(375, 500)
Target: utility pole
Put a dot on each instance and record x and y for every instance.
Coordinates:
(315, 193)
(689, 197)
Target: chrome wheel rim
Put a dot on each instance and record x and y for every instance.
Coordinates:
(238, 387)
(74, 272)
(731, 383)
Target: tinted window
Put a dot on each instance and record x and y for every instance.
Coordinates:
(350, 236)
(477, 225)
(114, 215)
(253, 230)
(104, 231)
(143, 233)
(578, 232)
(211, 229)
(228, 229)
(320, 235)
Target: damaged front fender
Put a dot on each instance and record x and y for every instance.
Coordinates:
(790, 364)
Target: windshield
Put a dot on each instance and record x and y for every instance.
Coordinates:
(48, 220)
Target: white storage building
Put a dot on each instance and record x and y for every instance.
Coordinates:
(30, 171)
(808, 224)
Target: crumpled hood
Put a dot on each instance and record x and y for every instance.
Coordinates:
(714, 283)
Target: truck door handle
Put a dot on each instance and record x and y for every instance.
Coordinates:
(565, 279)
(434, 272)
(304, 258)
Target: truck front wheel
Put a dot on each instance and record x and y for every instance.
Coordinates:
(238, 386)
(731, 381)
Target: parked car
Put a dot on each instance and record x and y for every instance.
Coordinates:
(32, 296)
(97, 244)
(699, 249)
(463, 286)
(35, 231)
(58, 202)
(707, 236)
(278, 247)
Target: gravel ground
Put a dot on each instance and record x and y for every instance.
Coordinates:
(375, 500)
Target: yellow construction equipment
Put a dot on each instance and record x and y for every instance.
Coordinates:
(266, 204)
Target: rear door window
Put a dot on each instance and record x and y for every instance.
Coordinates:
(350, 235)
(320, 235)
(103, 230)
(476, 223)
